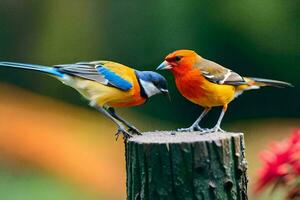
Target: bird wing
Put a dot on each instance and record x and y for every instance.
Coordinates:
(218, 74)
(104, 72)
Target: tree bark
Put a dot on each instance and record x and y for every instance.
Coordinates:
(186, 166)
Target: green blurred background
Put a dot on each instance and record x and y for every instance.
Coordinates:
(254, 38)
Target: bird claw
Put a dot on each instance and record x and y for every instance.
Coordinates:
(204, 130)
(125, 133)
(198, 128)
(134, 130)
(214, 130)
(191, 129)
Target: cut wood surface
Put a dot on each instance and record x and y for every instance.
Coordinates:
(190, 165)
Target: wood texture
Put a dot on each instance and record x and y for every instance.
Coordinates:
(186, 166)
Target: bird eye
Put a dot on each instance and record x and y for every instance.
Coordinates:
(177, 58)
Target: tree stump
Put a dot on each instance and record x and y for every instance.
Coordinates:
(186, 166)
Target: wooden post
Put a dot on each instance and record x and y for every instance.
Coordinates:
(186, 166)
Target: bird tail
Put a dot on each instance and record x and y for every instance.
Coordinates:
(260, 82)
(40, 68)
(256, 83)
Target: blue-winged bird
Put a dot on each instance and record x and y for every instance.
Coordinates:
(106, 85)
(209, 84)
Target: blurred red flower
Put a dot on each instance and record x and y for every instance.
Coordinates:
(281, 162)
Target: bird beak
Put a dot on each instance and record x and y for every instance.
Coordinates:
(165, 92)
(164, 65)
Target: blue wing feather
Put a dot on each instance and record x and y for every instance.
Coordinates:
(114, 79)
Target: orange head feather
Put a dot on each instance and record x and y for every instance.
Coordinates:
(180, 61)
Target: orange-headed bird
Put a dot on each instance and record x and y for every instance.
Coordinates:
(106, 85)
(209, 84)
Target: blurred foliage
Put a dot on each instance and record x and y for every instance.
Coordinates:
(35, 186)
(254, 38)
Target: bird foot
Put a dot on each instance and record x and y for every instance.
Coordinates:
(134, 130)
(214, 129)
(191, 129)
(124, 132)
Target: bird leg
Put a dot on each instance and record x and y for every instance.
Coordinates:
(132, 129)
(195, 126)
(121, 128)
(217, 127)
